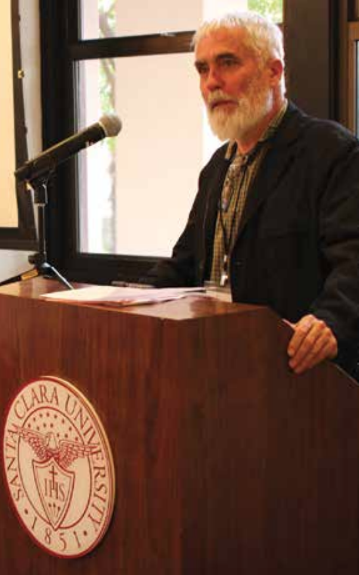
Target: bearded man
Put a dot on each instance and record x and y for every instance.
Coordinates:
(276, 217)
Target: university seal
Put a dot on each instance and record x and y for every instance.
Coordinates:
(58, 467)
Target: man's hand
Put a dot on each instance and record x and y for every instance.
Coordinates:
(312, 342)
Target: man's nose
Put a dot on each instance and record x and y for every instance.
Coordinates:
(214, 80)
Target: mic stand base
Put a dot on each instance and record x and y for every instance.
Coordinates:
(45, 270)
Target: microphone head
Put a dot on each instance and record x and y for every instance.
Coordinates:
(111, 124)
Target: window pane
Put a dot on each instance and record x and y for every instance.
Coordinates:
(136, 189)
(106, 18)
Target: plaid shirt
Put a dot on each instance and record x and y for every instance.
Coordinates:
(240, 176)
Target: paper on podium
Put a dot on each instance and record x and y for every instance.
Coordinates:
(120, 296)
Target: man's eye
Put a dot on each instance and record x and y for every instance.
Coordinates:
(202, 70)
(228, 62)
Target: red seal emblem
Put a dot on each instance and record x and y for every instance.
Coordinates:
(58, 467)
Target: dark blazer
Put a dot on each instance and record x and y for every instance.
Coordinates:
(297, 247)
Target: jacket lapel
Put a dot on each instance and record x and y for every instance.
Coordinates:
(275, 163)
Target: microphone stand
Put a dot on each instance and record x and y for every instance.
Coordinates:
(41, 266)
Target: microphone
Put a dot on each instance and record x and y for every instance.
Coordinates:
(43, 164)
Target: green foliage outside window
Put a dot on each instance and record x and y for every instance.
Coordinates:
(271, 8)
(107, 18)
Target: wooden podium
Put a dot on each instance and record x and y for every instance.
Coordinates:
(226, 462)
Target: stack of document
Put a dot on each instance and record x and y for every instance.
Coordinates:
(120, 296)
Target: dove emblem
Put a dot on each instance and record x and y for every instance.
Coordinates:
(45, 447)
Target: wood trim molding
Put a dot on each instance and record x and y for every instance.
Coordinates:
(311, 37)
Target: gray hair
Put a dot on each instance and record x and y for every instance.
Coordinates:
(263, 37)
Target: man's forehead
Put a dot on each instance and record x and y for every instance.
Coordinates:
(221, 41)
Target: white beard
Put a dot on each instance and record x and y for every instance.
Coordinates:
(251, 109)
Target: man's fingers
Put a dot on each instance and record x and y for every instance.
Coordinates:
(301, 332)
(312, 342)
(322, 350)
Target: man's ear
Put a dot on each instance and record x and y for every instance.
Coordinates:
(276, 70)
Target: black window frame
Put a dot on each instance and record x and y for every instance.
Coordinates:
(311, 25)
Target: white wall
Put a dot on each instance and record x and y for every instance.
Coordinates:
(13, 262)
(8, 212)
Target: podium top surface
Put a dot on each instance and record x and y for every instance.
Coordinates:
(190, 307)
